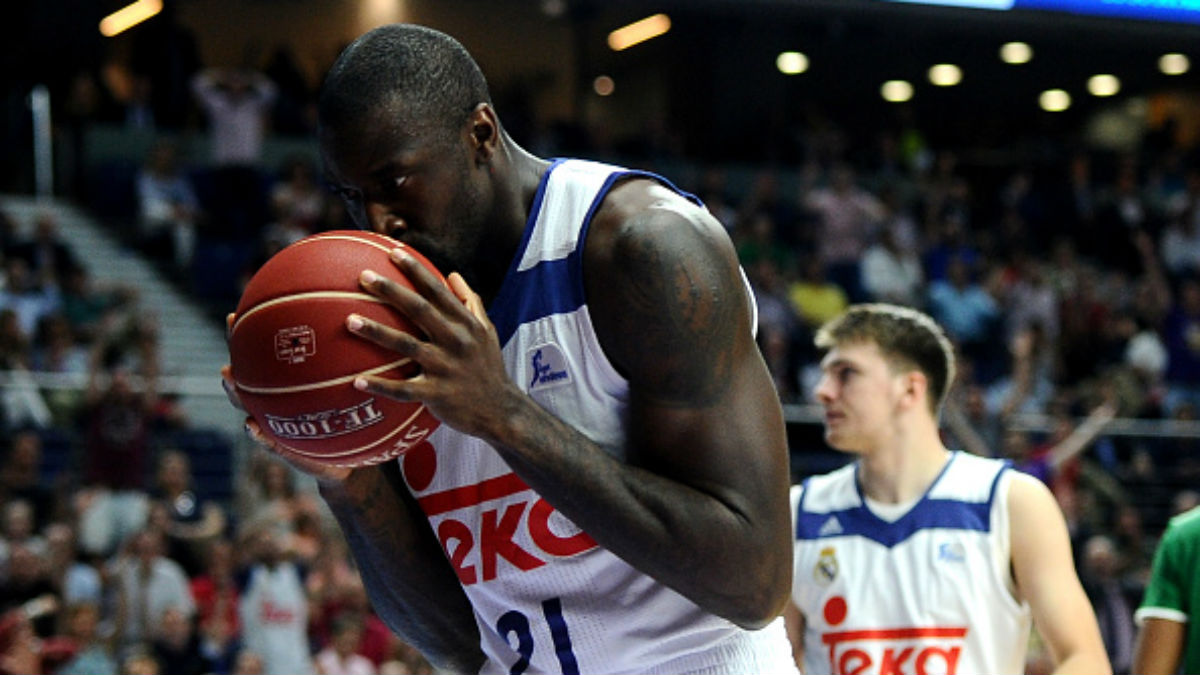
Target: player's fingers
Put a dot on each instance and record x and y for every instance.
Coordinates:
(426, 315)
(401, 342)
(399, 390)
(426, 283)
(469, 298)
(230, 388)
(230, 319)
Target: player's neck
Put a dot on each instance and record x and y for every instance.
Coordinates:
(904, 467)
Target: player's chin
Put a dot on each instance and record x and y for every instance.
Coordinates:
(839, 439)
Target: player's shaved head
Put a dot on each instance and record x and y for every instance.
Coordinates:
(424, 77)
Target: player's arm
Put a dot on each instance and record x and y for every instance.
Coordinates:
(707, 452)
(1045, 575)
(1163, 622)
(1159, 647)
(700, 500)
(412, 587)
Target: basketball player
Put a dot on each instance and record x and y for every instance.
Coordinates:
(1169, 632)
(913, 558)
(608, 489)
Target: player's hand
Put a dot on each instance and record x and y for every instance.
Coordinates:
(462, 380)
(321, 472)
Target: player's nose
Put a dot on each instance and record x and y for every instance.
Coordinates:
(382, 220)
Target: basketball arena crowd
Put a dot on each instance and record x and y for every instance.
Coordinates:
(1070, 287)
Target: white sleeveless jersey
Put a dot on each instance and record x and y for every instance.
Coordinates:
(929, 593)
(547, 599)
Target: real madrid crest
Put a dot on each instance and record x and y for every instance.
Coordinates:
(826, 569)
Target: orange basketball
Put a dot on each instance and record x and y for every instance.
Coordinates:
(294, 361)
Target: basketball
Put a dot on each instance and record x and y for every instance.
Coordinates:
(294, 361)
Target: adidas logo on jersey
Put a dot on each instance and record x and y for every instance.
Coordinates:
(830, 527)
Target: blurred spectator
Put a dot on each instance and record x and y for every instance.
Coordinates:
(216, 593)
(890, 273)
(1112, 600)
(31, 296)
(167, 207)
(967, 309)
(75, 579)
(1123, 213)
(237, 104)
(20, 648)
(92, 654)
(57, 351)
(247, 662)
(147, 584)
(1181, 334)
(117, 421)
(268, 496)
(194, 521)
(757, 239)
(274, 608)
(298, 201)
(847, 217)
(140, 662)
(17, 530)
(20, 476)
(47, 257)
(340, 656)
(777, 324)
(176, 646)
(815, 298)
(27, 580)
(88, 307)
(1032, 299)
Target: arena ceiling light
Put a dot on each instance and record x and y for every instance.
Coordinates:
(1174, 64)
(945, 74)
(1016, 53)
(1054, 100)
(1103, 85)
(638, 32)
(896, 91)
(791, 63)
(129, 16)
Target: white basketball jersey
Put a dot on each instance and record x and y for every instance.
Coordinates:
(548, 599)
(928, 593)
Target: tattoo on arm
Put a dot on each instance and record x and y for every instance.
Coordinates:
(680, 308)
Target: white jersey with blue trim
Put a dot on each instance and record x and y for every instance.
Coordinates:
(928, 592)
(547, 599)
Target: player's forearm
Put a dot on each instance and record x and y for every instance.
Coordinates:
(1084, 662)
(706, 546)
(411, 586)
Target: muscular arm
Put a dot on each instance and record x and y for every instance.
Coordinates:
(699, 501)
(1045, 576)
(411, 586)
(703, 495)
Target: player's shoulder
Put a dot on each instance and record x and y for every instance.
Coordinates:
(826, 492)
(1184, 526)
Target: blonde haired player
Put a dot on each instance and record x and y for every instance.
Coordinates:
(913, 558)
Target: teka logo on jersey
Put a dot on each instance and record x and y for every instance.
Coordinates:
(295, 344)
(524, 533)
(896, 651)
(549, 367)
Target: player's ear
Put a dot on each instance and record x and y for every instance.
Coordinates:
(915, 388)
(484, 129)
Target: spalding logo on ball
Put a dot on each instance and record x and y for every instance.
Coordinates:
(294, 361)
